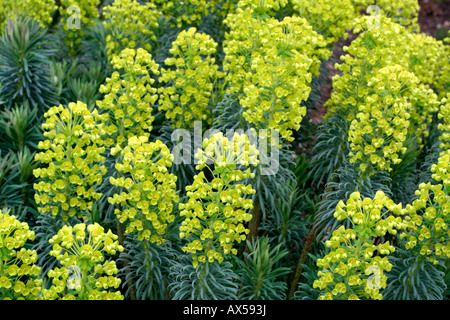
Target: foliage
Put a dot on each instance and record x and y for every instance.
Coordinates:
(25, 65)
(259, 273)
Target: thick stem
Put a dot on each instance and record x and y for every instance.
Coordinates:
(307, 247)
(255, 221)
(83, 295)
(120, 232)
(301, 262)
(121, 238)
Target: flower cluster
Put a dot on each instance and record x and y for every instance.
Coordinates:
(147, 202)
(444, 126)
(224, 7)
(377, 133)
(328, 18)
(263, 8)
(403, 12)
(429, 214)
(372, 50)
(227, 153)
(216, 212)
(243, 39)
(191, 85)
(73, 154)
(130, 24)
(390, 43)
(19, 275)
(184, 13)
(428, 61)
(76, 16)
(84, 274)
(271, 63)
(373, 53)
(129, 96)
(352, 270)
(40, 10)
(385, 45)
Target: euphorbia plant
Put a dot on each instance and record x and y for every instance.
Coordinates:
(71, 161)
(147, 201)
(429, 214)
(190, 87)
(129, 96)
(19, 275)
(85, 273)
(76, 16)
(347, 269)
(130, 24)
(216, 210)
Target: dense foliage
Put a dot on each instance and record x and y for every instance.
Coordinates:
(172, 150)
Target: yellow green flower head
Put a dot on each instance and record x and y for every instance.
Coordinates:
(441, 170)
(270, 64)
(428, 216)
(217, 210)
(129, 96)
(71, 161)
(130, 24)
(84, 274)
(381, 124)
(385, 45)
(391, 43)
(444, 125)
(185, 13)
(429, 61)
(223, 152)
(329, 18)
(149, 190)
(40, 10)
(19, 275)
(403, 12)
(262, 8)
(270, 100)
(352, 270)
(369, 217)
(190, 85)
(295, 34)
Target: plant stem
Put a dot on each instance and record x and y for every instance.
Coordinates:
(301, 262)
(255, 221)
(121, 238)
(307, 246)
